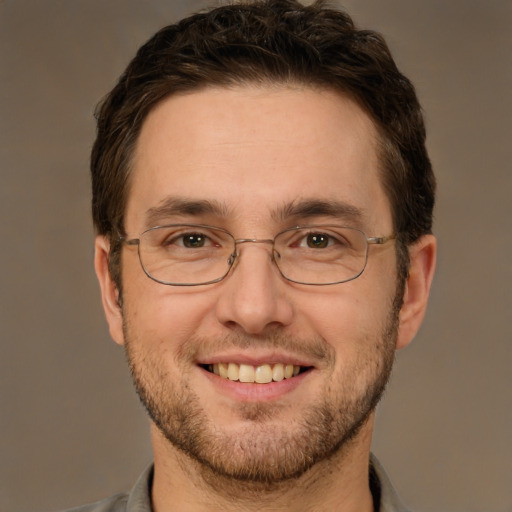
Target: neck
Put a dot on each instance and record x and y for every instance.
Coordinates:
(339, 483)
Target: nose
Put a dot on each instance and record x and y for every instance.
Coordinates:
(254, 297)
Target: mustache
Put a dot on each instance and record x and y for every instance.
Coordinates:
(315, 348)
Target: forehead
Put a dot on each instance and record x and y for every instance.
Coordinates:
(253, 151)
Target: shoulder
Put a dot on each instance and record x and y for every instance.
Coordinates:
(116, 503)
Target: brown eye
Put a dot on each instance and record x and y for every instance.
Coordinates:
(194, 240)
(317, 240)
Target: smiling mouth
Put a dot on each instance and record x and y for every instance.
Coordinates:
(261, 374)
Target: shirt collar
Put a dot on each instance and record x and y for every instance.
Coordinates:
(384, 495)
(139, 499)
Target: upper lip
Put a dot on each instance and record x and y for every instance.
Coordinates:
(255, 359)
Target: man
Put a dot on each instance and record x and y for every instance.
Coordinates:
(263, 204)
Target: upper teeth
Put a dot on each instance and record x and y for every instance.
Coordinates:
(261, 374)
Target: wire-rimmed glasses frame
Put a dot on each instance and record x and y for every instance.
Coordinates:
(338, 254)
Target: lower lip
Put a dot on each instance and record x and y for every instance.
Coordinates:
(253, 392)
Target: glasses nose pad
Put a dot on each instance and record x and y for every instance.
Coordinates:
(232, 258)
(276, 258)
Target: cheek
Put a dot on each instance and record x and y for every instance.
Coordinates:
(358, 335)
(351, 319)
(159, 314)
(340, 310)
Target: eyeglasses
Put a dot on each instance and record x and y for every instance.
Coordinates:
(195, 254)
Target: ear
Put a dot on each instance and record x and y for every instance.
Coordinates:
(109, 290)
(422, 257)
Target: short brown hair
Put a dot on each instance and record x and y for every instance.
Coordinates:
(276, 41)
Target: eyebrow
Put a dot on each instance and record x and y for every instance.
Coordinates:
(309, 208)
(179, 206)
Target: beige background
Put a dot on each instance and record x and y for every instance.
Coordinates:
(71, 428)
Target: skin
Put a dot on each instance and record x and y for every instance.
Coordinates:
(253, 150)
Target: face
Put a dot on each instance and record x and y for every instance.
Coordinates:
(255, 161)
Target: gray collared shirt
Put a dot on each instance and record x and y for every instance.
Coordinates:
(138, 500)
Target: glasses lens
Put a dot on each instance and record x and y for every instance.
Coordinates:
(321, 254)
(186, 254)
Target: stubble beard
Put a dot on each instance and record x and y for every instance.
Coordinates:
(263, 452)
